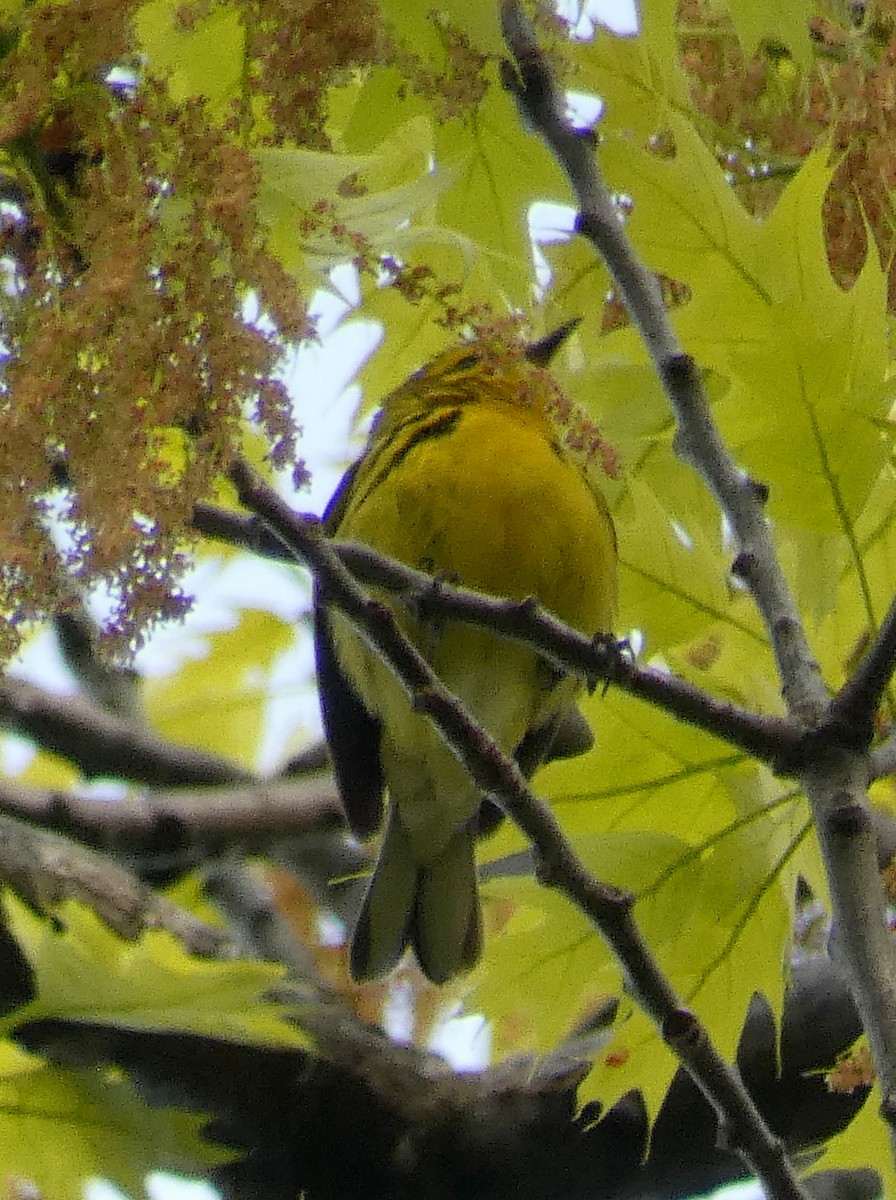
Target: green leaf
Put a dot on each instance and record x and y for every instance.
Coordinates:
(826, 367)
(673, 580)
(365, 112)
(646, 771)
(369, 194)
(422, 28)
(716, 913)
(864, 1142)
(686, 220)
(60, 1128)
(545, 968)
(864, 586)
(577, 276)
(487, 170)
(710, 846)
(497, 172)
(84, 971)
(806, 363)
(639, 78)
(205, 60)
(218, 702)
(767, 21)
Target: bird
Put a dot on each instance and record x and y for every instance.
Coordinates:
(464, 476)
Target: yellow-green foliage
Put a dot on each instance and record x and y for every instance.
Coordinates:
(264, 142)
(59, 1127)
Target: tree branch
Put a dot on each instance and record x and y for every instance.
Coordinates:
(500, 1112)
(45, 868)
(243, 530)
(102, 744)
(109, 686)
(192, 823)
(855, 706)
(609, 909)
(835, 778)
(772, 739)
(543, 107)
(882, 759)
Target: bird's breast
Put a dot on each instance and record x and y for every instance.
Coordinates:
(489, 501)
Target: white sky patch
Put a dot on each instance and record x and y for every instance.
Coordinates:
(40, 662)
(464, 1041)
(747, 1190)
(619, 16)
(168, 1187)
(16, 754)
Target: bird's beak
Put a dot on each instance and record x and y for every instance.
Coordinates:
(541, 352)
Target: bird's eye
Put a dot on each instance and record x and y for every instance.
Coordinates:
(465, 363)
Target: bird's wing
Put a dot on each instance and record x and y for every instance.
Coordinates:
(353, 733)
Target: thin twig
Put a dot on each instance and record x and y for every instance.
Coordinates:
(855, 706)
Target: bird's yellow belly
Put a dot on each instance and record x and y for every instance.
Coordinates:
(491, 505)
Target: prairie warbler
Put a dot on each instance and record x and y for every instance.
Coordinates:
(463, 476)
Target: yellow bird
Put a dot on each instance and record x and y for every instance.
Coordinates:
(464, 477)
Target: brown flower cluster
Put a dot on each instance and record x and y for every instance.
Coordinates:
(764, 118)
(299, 48)
(131, 363)
(458, 85)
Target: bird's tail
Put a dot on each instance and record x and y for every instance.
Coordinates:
(433, 907)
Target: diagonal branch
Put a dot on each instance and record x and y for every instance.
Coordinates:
(243, 530)
(833, 774)
(609, 909)
(44, 868)
(543, 107)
